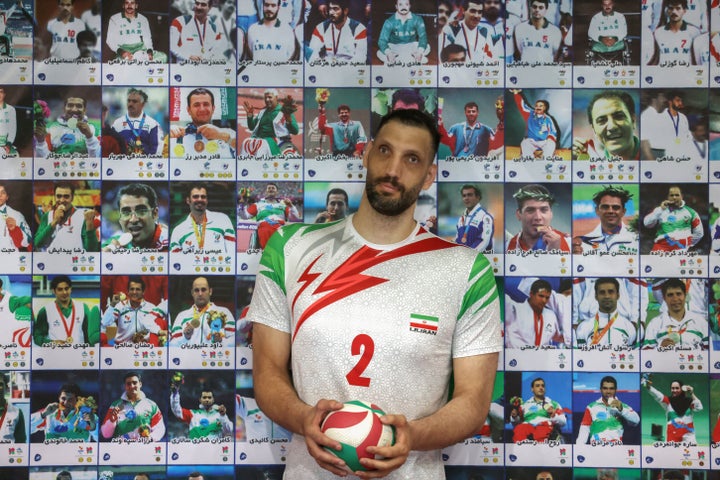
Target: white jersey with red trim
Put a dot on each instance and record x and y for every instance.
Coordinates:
(362, 324)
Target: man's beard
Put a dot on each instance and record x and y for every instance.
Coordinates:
(387, 206)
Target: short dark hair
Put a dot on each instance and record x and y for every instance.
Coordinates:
(608, 379)
(611, 191)
(70, 388)
(138, 190)
(545, 2)
(675, 93)
(532, 382)
(408, 96)
(602, 280)
(542, 100)
(136, 279)
(413, 118)
(344, 4)
(451, 49)
(58, 279)
(139, 92)
(86, 36)
(534, 191)
(131, 374)
(337, 191)
(201, 91)
(65, 185)
(682, 3)
(143, 474)
(73, 96)
(343, 107)
(195, 474)
(540, 284)
(467, 186)
(624, 97)
(195, 186)
(672, 283)
(470, 105)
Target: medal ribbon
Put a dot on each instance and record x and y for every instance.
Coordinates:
(468, 224)
(198, 236)
(68, 331)
(467, 43)
(467, 137)
(336, 41)
(2, 419)
(132, 129)
(676, 123)
(539, 322)
(201, 37)
(597, 336)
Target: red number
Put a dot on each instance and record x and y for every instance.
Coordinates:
(365, 343)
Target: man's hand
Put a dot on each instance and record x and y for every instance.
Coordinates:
(249, 109)
(395, 456)
(40, 132)
(288, 106)
(615, 403)
(89, 216)
(188, 330)
(315, 440)
(59, 215)
(84, 128)
(579, 146)
(324, 217)
(11, 223)
(222, 410)
(211, 132)
(551, 237)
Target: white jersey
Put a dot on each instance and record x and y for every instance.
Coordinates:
(524, 328)
(93, 22)
(537, 45)
(129, 34)
(347, 44)
(203, 333)
(67, 234)
(8, 239)
(476, 41)
(613, 25)
(324, 285)
(131, 320)
(691, 331)
(607, 329)
(8, 124)
(669, 133)
(64, 38)
(61, 327)
(675, 48)
(217, 234)
(15, 324)
(697, 14)
(271, 44)
(190, 38)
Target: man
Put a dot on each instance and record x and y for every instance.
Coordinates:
(195, 38)
(142, 476)
(611, 114)
(699, 150)
(204, 322)
(227, 21)
(469, 138)
(497, 140)
(651, 143)
(274, 123)
(534, 212)
(453, 53)
(336, 205)
(492, 21)
(607, 32)
(196, 476)
(679, 409)
(403, 39)
(539, 417)
(469, 34)
(141, 133)
(544, 475)
(270, 213)
(678, 226)
(677, 327)
(541, 133)
(673, 41)
(609, 326)
(669, 131)
(339, 39)
(200, 134)
(66, 321)
(5, 36)
(209, 421)
(12, 420)
(532, 323)
(348, 136)
(129, 36)
(16, 317)
(295, 381)
(65, 419)
(611, 234)
(133, 319)
(476, 226)
(407, 99)
(15, 233)
(63, 31)
(133, 416)
(271, 40)
(202, 230)
(537, 40)
(140, 229)
(86, 41)
(64, 225)
(71, 133)
(8, 127)
(605, 419)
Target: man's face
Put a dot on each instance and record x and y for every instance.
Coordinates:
(540, 108)
(66, 8)
(538, 10)
(74, 107)
(86, 48)
(699, 132)
(271, 191)
(399, 165)
(129, 7)
(67, 400)
(544, 476)
(202, 7)
(675, 12)
(206, 399)
(141, 477)
(271, 100)
(270, 10)
(3, 196)
(138, 218)
(471, 114)
(607, 297)
(62, 293)
(135, 104)
(539, 300)
(675, 300)
(444, 12)
(473, 14)
(402, 6)
(201, 292)
(201, 108)
(538, 389)
(133, 386)
(228, 6)
(491, 9)
(607, 390)
(197, 200)
(614, 126)
(63, 196)
(677, 103)
(336, 14)
(500, 108)
(469, 198)
(135, 292)
(457, 57)
(336, 205)
(344, 115)
(675, 196)
(534, 217)
(611, 211)
(607, 6)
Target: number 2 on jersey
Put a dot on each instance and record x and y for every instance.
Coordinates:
(364, 346)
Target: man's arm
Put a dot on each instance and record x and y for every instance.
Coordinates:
(697, 230)
(41, 328)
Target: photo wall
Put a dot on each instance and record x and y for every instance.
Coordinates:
(150, 148)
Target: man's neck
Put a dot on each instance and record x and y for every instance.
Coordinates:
(64, 304)
(539, 399)
(606, 313)
(382, 229)
(198, 217)
(200, 19)
(135, 304)
(131, 16)
(269, 23)
(611, 230)
(340, 25)
(538, 24)
(675, 26)
(677, 315)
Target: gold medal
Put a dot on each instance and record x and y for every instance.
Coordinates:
(69, 340)
(212, 146)
(677, 140)
(195, 322)
(199, 146)
(179, 151)
(138, 142)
